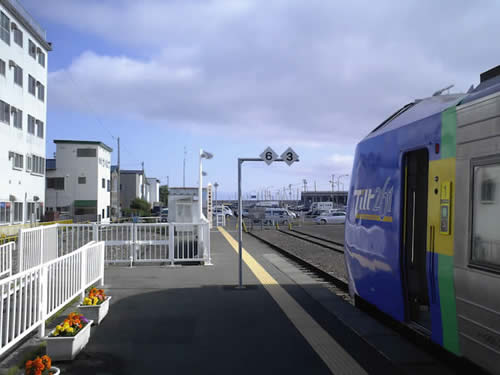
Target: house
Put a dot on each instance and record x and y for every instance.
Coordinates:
(78, 180)
(154, 190)
(23, 107)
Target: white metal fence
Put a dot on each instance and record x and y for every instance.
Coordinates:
(124, 243)
(30, 297)
(6, 252)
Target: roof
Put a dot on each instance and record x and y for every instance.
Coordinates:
(487, 87)
(131, 171)
(50, 164)
(16, 8)
(418, 110)
(97, 143)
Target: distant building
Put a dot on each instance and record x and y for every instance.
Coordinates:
(79, 181)
(115, 200)
(23, 107)
(133, 185)
(338, 197)
(154, 190)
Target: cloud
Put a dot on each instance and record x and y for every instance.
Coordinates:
(313, 72)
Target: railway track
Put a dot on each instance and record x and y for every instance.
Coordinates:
(340, 285)
(316, 240)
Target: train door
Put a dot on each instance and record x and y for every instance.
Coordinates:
(415, 236)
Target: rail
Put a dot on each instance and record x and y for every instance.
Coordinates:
(124, 243)
(6, 251)
(30, 297)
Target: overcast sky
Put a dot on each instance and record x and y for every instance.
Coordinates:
(234, 77)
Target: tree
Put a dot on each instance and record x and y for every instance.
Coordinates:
(164, 195)
(140, 207)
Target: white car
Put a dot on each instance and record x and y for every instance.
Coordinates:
(225, 210)
(331, 218)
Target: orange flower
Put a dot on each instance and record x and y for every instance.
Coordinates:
(47, 361)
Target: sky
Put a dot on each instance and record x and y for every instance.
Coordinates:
(235, 76)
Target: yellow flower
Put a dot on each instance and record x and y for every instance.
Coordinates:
(70, 330)
(58, 328)
(87, 301)
(56, 333)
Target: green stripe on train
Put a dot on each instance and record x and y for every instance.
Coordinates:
(448, 304)
(449, 133)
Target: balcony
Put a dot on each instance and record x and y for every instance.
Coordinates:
(29, 19)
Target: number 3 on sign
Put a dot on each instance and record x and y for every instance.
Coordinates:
(289, 156)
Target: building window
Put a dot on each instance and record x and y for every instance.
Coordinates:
(102, 217)
(4, 112)
(41, 91)
(109, 185)
(39, 128)
(56, 183)
(18, 212)
(32, 49)
(107, 211)
(31, 211)
(485, 234)
(29, 163)
(82, 180)
(41, 58)
(18, 160)
(18, 37)
(104, 183)
(86, 152)
(31, 124)
(18, 117)
(5, 28)
(38, 165)
(2, 67)
(18, 75)
(4, 212)
(31, 85)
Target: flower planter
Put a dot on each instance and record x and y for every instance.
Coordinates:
(62, 348)
(54, 370)
(95, 312)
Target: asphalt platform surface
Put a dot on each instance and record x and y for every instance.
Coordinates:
(192, 320)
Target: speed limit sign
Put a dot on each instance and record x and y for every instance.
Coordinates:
(269, 155)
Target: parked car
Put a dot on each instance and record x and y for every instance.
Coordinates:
(244, 213)
(164, 215)
(276, 215)
(223, 209)
(331, 218)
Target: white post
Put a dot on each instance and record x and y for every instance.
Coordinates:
(43, 298)
(171, 242)
(95, 234)
(200, 192)
(20, 250)
(207, 244)
(83, 275)
(101, 257)
(42, 242)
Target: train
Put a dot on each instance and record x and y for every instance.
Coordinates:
(422, 230)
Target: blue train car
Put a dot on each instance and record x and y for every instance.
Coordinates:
(416, 227)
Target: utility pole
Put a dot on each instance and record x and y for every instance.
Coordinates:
(315, 186)
(143, 182)
(305, 184)
(119, 213)
(184, 169)
(332, 181)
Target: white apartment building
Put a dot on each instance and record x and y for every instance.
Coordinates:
(78, 180)
(23, 107)
(154, 190)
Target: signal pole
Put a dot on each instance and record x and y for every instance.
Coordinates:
(119, 213)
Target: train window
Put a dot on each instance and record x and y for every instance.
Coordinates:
(486, 210)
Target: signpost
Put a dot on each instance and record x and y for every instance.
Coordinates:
(268, 156)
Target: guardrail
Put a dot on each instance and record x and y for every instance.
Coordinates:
(6, 251)
(28, 298)
(124, 243)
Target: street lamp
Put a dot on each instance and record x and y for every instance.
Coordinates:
(203, 155)
(216, 185)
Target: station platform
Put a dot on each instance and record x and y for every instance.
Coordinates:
(193, 320)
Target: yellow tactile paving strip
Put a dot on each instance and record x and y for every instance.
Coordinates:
(329, 350)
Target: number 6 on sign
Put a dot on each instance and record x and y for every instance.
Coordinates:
(269, 155)
(289, 156)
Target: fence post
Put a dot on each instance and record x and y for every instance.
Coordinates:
(134, 242)
(207, 245)
(83, 275)
(43, 297)
(42, 243)
(95, 232)
(101, 259)
(171, 243)
(13, 247)
(20, 250)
